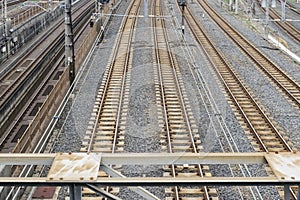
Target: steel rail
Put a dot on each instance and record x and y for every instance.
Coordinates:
(11, 96)
(292, 8)
(179, 92)
(78, 31)
(59, 47)
(126, 64)
(109, 76)
(46, 135)
(291, 30)
(219, 58)
(264, 63)
(217, 17)
(161, 84)
(117, 50)
(27, 170)
(285, 144)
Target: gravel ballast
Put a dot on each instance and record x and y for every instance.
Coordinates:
(142, 133)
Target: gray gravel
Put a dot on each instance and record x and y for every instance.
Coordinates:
(287, 117)
(210, 139)
(82, 101)
(142, 132)
(74, 121)
(279, 109)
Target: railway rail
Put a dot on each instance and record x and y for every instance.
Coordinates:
(286, 84)
(19, 16)
(84, 39)
(179, 129)
(289, 29)
(179, 133)
(293, 8)
(28, 117)
(256, 123)
(41, 106)
(107, 124)
(20, 82)
(14, 2)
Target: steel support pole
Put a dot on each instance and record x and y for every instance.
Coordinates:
(230, 5)
(103, 192)
(298, 196)
(69, 43)
(182, 20)
(287, 194)
(5, 27)
(267, 18)
(283, 10)
(139, 190)
(75, 192)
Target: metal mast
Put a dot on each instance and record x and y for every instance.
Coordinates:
(5, 28)
(69, 43)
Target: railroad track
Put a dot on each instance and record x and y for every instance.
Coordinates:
(286, 84)
(107, 124)
(179, 130)
(44, 101)
(112, 99)
(289, 29)
(292, 7)
(256, 123)
(106, 133)
(85, 38)
(20, 84)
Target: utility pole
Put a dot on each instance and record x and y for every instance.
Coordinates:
(5, 27)
(267, 17)
(283, 3)
(101, 6)
(69, 43)
(230, 5)
(182, 4)
(253, 8)
(265, 4)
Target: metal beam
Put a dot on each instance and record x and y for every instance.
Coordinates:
(75, 192)
(26, 159)
(183, 158)
(103, 192)
(83, 166)
(143, 158)
(150, 181)
(152, 158)
(139, 190)
(287, 194)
